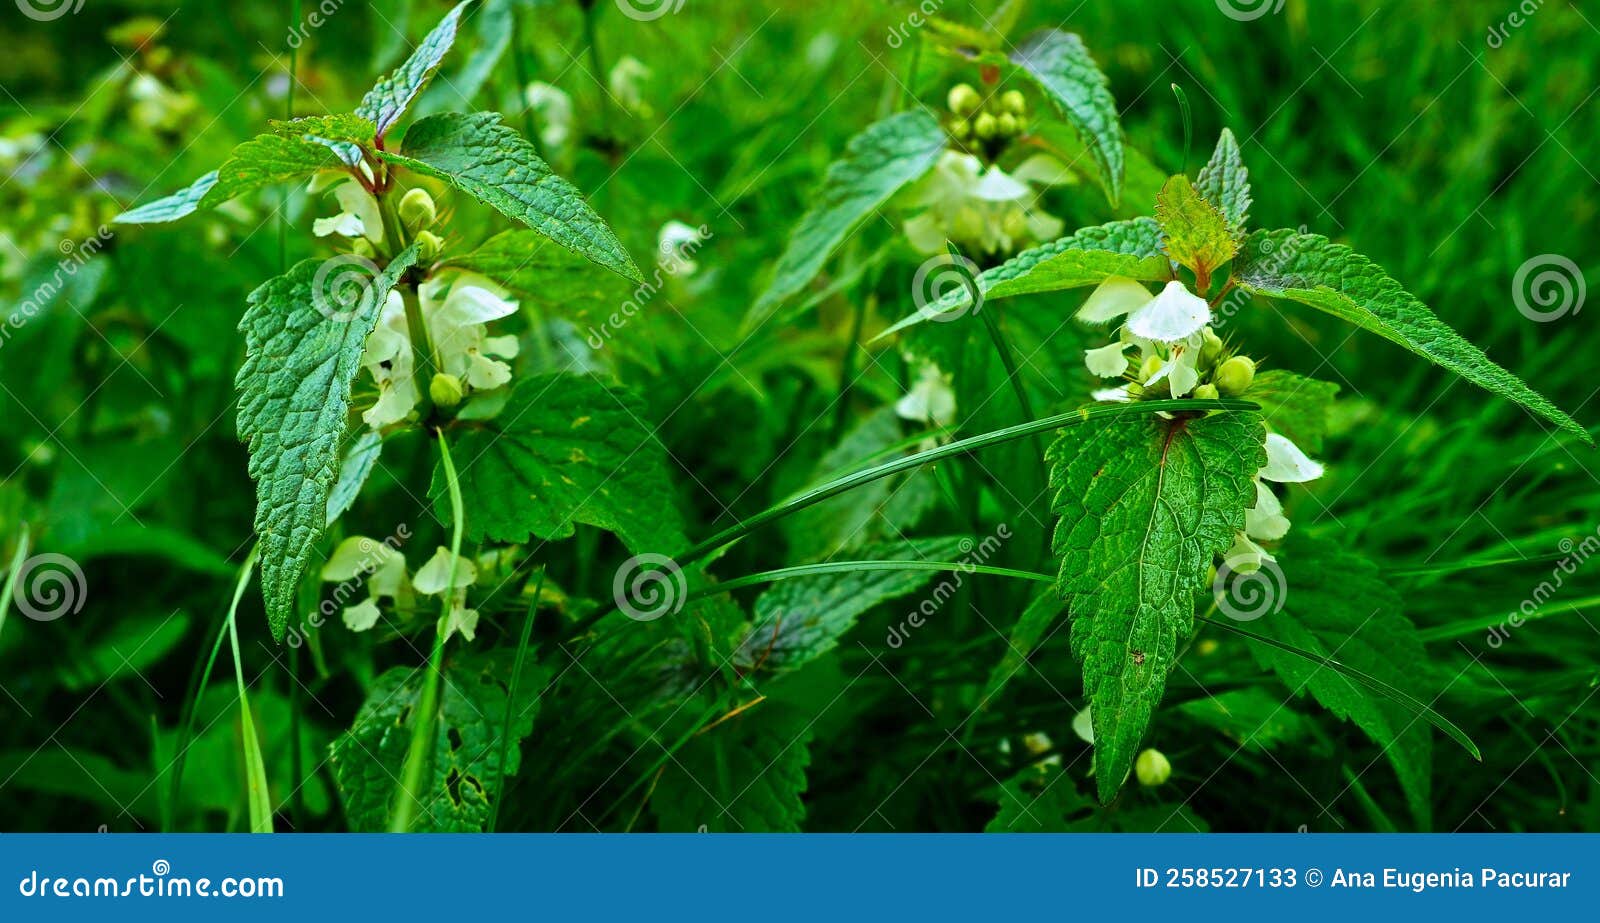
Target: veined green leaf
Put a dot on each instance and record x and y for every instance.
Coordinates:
(1145, 504)
(1060, 64)
(1337, 604)
(545, 273)
(1225, 183)
(389, 99)
(877, 163)
(1331, 277)
(493, 28)
(746, 775)
(466, 776)
(566, 449)
(497, 166)
(291, 150)
(798, 620)
(303, 344)
(1294, 405)
(1087, 257)
(1196, 234)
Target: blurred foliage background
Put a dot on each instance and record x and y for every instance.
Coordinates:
(1447, 144)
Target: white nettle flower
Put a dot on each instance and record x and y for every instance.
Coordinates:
(1286, 464)
(358, 209)
(435, 579)
(930, 400)
(455, 309)
(988, 210)
(1170, 326)
(554, 108)
(626, 82)
(383, 567)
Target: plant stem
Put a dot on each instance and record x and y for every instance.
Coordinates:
(419, 755)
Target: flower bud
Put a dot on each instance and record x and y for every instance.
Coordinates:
(361, 247)
(1235, 375)
(1012, 101)
(445, 390)
(964, 100)
(1151, 366)
(960, 129)
(1206, 392)
(1210, 349)
(985, 126)
(1007, 123)
(1152, 767)
(429, 246)
(417, 210)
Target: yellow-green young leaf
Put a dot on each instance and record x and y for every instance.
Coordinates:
(1333, 603)
(498, 167)
(1196, 234)
(801, 619)
(745, 775)
(877, 163)
(566, 449)
(1145, 504)
(1060, 64)
(1044, 798)
(304, 332)
(1088, 257)
(1331, 277)
(291, 150)
(458, 794)
(389, 99)
(1225, 183)
(1294, 405)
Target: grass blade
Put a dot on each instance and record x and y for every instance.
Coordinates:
(255, 767)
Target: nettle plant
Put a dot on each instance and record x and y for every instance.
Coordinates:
(1169, 487)
(408, 330)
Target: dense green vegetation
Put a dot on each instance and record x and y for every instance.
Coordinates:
(663, 415)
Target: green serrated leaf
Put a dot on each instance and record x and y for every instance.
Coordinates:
(1331, 277)
(1195, 233)
(548, 275)
(294, 401)
(1225, 183)
(1062, 66)
(1336, 604)
(877, 163)
(493, 28)
(459, 793)
(799, 620)
(290, 151)
(1145, 505)
(389, 99)
(497, 166)
(1294, 405)
(1087, 257)
(746, 775)
(566, 449)
(1252, 718)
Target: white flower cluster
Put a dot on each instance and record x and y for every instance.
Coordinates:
(984, 210)
(384, 568)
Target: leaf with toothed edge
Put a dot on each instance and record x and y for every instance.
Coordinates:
(497, 166)
(389, 99)
(1145, 505)
(294, 406)
(1225, 183)
(1195, 233)
(1062, 66)
(1314, 271)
